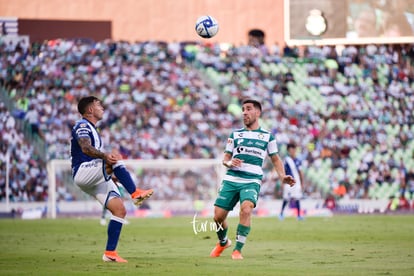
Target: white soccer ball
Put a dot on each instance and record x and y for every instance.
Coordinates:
(206, 26)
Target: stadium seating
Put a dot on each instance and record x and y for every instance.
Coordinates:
(345, 119)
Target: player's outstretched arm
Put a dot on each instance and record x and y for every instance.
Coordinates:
(280, 169)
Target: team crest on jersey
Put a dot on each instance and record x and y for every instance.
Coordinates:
(261, 136)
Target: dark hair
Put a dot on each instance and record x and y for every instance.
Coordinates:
(291, 145)
(85, 102)
(255, 103)
(256, 37)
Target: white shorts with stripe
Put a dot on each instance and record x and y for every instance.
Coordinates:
(292, 192)
(91, 178)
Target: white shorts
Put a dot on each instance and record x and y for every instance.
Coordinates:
(91, 178)
(292, 192)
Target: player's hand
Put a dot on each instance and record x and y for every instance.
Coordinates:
(288, 179)
(236, 162)
(111, 159)
(115, 153)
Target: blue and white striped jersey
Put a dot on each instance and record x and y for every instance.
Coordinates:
(83, 129)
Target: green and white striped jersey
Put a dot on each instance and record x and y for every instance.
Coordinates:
(251, 146)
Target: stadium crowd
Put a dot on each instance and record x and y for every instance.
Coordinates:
(349, 108)
(27, 174)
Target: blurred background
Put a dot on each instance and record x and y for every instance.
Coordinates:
(335, 77)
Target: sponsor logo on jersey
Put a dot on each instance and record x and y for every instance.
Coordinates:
(82, 132)
(248, 151)
(260, 144)
(92, 164)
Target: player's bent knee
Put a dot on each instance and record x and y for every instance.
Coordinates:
(219, 219)
(116, 206)
(119, 212)
(246, 208)
(220, 214)
(247, 204)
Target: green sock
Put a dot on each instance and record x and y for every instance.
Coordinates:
(222, 236)
(242, 232)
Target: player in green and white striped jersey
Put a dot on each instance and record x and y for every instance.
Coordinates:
(244, 155)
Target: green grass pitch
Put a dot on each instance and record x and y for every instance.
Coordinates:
(340, 245)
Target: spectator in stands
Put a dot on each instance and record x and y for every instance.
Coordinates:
(32, 117)
(409, 178)
(330, 202)
(372, 95)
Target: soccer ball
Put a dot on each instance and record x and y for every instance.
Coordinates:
(206, 26)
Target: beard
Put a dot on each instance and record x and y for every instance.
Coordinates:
(248, 122)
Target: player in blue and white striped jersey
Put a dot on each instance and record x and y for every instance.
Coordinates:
(295, 193)
(92, 169)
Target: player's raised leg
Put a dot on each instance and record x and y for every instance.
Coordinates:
(224, 242)
(124, 177)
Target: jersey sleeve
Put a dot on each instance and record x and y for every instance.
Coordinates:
(230, 144)
(272, 146)
(82, 130)
(298, 163)
(288, 171)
